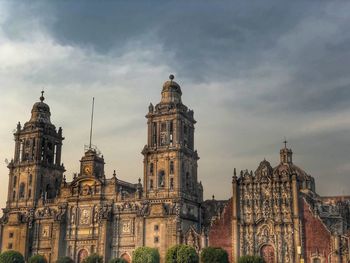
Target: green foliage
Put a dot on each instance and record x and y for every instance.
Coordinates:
(11, 256)
(251, 259)
(146, 255)
(117, 260)
(214, 255)
(37, 259)
(65, 260)
(93, 258)
(181, 254)
(187, 254)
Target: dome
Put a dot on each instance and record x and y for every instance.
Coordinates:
(171, 91)
(41, 111)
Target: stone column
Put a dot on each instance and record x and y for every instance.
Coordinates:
(235, 233)
(296, 219)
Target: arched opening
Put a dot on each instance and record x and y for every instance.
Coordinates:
(267, 252)
(21, 190)
(161, 179)
(82, 255)
(126, 257)
(316, 260)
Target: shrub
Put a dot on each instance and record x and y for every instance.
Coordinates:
(251, 259)
(214, 255)
(146, 255)
(181, 254)
(65, 260)
(37, 259)
(117, 260)
(187, 254)
(93, 258)
(11, 256)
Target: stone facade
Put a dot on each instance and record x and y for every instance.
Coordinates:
(47, 215)
(276, 213)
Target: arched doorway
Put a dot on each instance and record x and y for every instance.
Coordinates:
(126, 257)
(268, 253)
(82, 255)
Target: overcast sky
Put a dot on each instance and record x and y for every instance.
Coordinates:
(252, 71)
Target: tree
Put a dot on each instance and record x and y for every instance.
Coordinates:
(11, 256)
(93, 258)
(37, 259)
(251, 259)
(146, 255)
(117, 260)
(65, 260)
(181, 254)
(214, 255)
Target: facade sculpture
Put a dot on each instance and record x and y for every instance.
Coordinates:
(277, 214)
(47, 215)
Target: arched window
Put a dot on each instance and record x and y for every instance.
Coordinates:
(151, 168)
(29, 193)
(14, 195)
(30, 179)
(14, 181)
(22, 190)
(151, 184)
(161, 179)
(171, 168)
(171, 183)
(187, 180)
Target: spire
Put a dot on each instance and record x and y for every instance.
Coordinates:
(42, 98)
(171, 92)
(286, 154)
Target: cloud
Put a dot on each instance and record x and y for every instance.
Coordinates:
(253, 72)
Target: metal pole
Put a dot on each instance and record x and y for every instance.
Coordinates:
(92, 120)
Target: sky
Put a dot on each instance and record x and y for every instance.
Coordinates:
(254, 72)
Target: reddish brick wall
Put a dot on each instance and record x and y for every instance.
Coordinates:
(220, 234)
(317, 238)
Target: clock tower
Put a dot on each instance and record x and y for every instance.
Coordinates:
(92, 164)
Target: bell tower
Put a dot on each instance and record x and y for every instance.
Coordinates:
(36, 170)
(170, 161)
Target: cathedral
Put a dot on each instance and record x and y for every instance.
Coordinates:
(47, 215)
(274, 212)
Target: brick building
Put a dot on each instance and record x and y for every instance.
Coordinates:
(276, 213)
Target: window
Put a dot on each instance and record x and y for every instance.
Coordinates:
(171, 167)
(10, 246)
(156, 239)
(161, 179)
(29, 193)
(30, 179)
(151, 184)
(14, 181)
(22, 190)
(171, 183)
(156, 227)
(151, 168)
(14, 195)
(11, 235)
(316, 260)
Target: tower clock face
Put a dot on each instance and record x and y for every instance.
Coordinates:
(87, 170)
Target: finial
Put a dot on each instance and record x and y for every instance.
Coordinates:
(114, 174)
(139, 180)
(42, 96)
(285, 143)
(213, 197)
(171, 77)
(234, 172)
